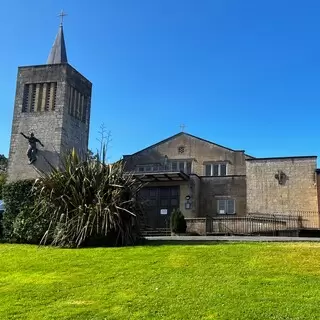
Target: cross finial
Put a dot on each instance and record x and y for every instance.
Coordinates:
(182, 127)
(62, 14)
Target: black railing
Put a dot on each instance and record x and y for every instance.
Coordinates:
(282, 223)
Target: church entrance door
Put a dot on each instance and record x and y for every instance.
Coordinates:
(159, 202)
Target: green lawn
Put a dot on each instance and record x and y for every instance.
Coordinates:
(219, 281)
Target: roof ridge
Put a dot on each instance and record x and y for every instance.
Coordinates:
(188, 134)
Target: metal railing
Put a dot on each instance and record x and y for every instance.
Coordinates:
(159, 169)
(257, 223)
(275, 224)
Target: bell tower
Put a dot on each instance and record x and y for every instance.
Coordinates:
(53, 102)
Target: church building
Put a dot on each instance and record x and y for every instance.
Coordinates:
(51, 110)
(208, 181)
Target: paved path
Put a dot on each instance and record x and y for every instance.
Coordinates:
(233, 239)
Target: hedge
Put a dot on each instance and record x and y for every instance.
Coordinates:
(17, 198)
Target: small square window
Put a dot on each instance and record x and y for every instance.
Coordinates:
(226, 206)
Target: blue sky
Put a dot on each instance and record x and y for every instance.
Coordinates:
(244, 74)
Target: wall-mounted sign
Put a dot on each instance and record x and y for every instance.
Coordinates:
(164, 211)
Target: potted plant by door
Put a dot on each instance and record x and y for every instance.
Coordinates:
(178, 223)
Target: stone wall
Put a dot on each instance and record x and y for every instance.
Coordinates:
(198, 150)
(214, 188)
(75, 133)
(51, 126)
(197, 226)
(297, 193)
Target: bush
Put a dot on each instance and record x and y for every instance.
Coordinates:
(177, 222)
(29, 227)
(18, 198)
(3, 178)
(89, 203)
(1, 228)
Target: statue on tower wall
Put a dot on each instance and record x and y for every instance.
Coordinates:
(32, 149)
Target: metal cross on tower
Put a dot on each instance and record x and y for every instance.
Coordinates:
(182, 127)
(62, 14)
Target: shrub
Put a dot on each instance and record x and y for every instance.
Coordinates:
(177, 222)
(1, 227)
(3, 178)
(29, 226)
(89, 203)
(18, 198)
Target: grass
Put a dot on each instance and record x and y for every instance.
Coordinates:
(219, 281)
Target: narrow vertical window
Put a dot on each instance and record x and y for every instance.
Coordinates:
(44, 96)
(69, 99)
(73, 101)
(33, 98)
(78, 105)
(84, 113)
(38, 97)
(48, 97)
(188, 168)
(215, 170)
(54, 96)
(223, 170)
(25, 101)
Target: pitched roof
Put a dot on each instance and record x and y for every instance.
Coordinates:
(189, 135)
(58, 53)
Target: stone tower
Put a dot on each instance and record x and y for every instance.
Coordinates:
(53, 102)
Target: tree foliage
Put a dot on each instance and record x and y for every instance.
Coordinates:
(3, 162)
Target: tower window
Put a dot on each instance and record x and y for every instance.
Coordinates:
(77, 104)
(25, 102)
(39, 97)
(54, 96)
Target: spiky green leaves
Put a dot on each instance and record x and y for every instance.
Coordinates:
(88, 200)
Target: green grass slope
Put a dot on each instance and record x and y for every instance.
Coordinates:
(219, 281)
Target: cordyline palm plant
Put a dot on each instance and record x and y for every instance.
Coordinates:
(88, 202)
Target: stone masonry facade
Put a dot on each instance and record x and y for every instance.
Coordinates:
(298, 192)
(244, 186)
(205, 191)
(51, 123)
